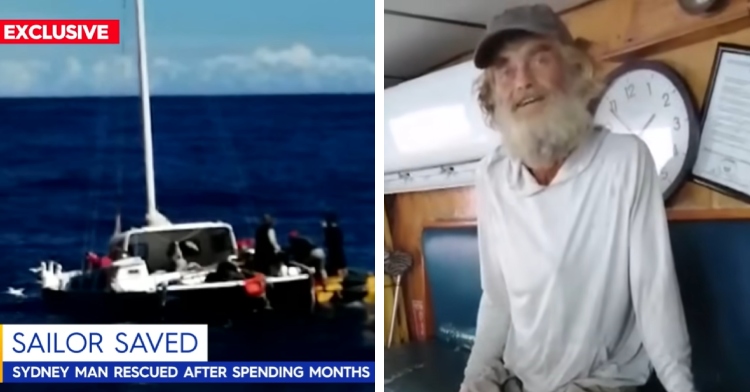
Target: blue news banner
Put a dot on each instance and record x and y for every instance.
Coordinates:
(188, 372)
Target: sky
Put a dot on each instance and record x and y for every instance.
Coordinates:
(199, 47)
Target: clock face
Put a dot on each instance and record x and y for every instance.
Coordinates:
(646, 102)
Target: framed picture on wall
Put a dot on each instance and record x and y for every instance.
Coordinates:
(723, 161)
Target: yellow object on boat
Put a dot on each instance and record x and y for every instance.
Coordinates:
(333, 287)
(328, 289)
(370, 298)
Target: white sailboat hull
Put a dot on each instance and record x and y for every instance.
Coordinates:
(119, 294)
(200, 305)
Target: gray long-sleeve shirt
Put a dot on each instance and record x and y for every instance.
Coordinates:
(578, 278)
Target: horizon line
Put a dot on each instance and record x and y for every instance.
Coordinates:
(220, 95)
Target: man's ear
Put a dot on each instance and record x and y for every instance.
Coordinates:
(582, 63)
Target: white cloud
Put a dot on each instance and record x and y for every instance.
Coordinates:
(16, 77)
(263, 70)
(113, 74)
(73, 70)
(300, 57)
(168, 69)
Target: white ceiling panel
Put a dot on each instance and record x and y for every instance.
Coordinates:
(422, 34)
(412, 46)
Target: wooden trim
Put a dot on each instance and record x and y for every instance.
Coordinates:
(450, 224)
(679, 215)
(645, 36)
(576, 7)
(718, 214)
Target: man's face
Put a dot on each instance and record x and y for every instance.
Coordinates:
(528, 73)
(540, 117)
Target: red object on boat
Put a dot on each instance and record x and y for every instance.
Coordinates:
(95, 261)
(92, 260)
(245, 243)
(105, 262)
(255, 286)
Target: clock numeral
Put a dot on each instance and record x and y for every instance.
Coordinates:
(665, 97)
(649, 87)
(613, 106)
(630, 91)
(664, 174)
(677, 124)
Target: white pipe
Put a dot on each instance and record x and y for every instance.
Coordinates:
(148, 151)
(395, 311)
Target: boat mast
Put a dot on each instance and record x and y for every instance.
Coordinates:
(153, 217)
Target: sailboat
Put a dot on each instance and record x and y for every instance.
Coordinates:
(143, 280)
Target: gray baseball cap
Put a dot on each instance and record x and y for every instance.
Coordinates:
(536, 19)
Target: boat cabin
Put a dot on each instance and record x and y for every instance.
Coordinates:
(143, 258)
(202, 243)
(435, 135)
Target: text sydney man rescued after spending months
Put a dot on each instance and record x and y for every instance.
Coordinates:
(195, 371)
(60, 31)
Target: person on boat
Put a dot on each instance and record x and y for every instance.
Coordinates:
(245, 253)
(245, 244)
(245, 260)
(299, 246)
(105, 261)
(116, 253)
(303, 251)
(333, 240)
(266, 245)
(176, 255)
(225, 271)
(579, 291)
(92, 261)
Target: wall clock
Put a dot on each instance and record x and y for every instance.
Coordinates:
(651, 100)
(700, 7)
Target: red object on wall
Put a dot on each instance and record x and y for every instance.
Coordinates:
(418, 311)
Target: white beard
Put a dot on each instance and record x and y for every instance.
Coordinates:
(546, 139)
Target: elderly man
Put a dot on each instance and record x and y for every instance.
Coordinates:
(579, 285)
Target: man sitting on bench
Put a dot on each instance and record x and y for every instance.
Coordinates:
(573, 237)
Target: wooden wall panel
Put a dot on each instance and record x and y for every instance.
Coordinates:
(411, 212)
(388, 238)
(607, 24)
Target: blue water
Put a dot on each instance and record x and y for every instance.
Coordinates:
(69, 164)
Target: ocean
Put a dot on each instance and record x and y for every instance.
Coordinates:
(68, 166)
